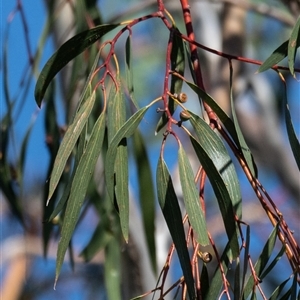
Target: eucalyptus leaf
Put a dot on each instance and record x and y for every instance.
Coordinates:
(191, 198)
(177, 65)
(170, 207)
(65, 54)
(69, 141)
(261, 262)
(79, 187)
(116, 119)
(146, 194)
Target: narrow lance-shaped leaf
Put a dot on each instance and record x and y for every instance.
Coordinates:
(261, 262)
(170, 208)
(294, 41)
(116, 164)
(129, 71)
(294, 142)
(191, 198)
(65, 54)
(216, 150)
(222, 195)
(216, 282)
(79, 187)
(146, 194)
(124, 132)
(69, 141)
(177, 65)
(115, 120)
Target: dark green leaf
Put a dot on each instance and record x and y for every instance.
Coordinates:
(177, 65)
(129, 71)
(261, 262)
(191, 198)
(278, 55)
(146, 194)
(294, 42)
(221, 172)
(223, 197)
(125, 131)
(65, 54)
(216, 282)
(170, 207)
(294, 142)
(278, 290)
(116, 119)
(69, 141)
(79, 187)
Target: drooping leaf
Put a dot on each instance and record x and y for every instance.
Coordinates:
(294, 42)
(222, 195)
(170, 208)
(129, 71)
(146, 194)
(191, 198)
(261, 262)
(79, 187)
(65, 54)
(116, 119)
(177, 65)
(294, 142)
(124, 132)
(69, 141)
(112, 270)
(216, 282)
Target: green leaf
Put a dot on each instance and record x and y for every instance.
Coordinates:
(170, 208)
(146, 194)
(261, 262)
(69, 141)
(278, 55)
(294, 42)
(294, 142)
(220, 187)
(222, 175)
(216, 282)
(116, 119)
(79, 187)
(112, 270)
(278, 290)
(65, 54)
(129, 71)
(124, 132)
(241, 140)
(177, 65)
(191, 198)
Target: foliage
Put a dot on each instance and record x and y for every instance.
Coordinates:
(105, 130)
